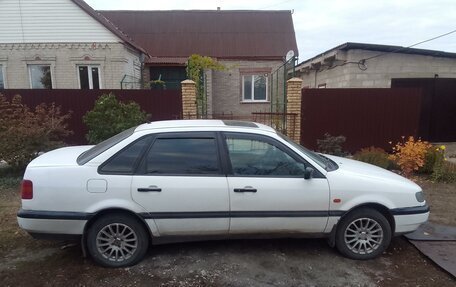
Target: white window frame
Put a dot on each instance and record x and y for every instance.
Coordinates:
(41, 64)
(252, 100)
(89, 69)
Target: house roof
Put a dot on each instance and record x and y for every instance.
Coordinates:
(225, 34)
(109, 25)
(382, 49)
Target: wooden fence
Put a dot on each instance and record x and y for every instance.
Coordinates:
(366, 117)
(160, 104)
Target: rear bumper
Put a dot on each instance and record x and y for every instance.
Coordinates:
(35, 222)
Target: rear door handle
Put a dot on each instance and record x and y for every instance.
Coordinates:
(152, 188)
(245, 189)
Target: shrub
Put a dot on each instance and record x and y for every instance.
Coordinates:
(409, 155)
(331, 145)
(375, 156)
(444, 172)
(110, 116)
(24, 133)
(434, 155)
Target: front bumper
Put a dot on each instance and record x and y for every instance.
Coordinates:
(410, 218)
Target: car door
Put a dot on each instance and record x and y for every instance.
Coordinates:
(268, 192)
(181, 184)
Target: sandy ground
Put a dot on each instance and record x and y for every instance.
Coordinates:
(279, 262)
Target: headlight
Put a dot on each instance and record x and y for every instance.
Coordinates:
(419, 196)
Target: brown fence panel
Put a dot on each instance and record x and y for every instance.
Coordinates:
(160, 104)
(438, 113)
(366, 117)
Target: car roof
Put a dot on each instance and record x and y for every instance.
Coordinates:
(216, 124)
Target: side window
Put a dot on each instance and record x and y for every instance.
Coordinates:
(251, 157)
(125, 161)
(183, 156)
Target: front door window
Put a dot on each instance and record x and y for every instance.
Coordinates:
(250, 157)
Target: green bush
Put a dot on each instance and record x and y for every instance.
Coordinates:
(331, 145)
(375, 156)
(110, 116)
(444, 171)
(24, 132)
(434, 155)
(10, 181)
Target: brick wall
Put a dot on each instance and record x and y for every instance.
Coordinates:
(380, 70)
(189, 107)
(294, 106)
(114, 59)
(227, 90)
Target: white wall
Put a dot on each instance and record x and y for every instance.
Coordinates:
(49, 21)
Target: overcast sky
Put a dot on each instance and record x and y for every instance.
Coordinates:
(323, 24)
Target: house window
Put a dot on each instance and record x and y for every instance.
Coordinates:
(89, 77)
(167, 77)
(2, 78)
(40, 76)
(254, 88)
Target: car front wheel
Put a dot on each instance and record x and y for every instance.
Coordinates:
(363, 234)
(117, 240)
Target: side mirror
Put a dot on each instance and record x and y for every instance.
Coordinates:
(308, 173)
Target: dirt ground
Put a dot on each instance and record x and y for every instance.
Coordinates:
(284, 262)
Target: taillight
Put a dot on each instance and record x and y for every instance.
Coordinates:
(27, 189)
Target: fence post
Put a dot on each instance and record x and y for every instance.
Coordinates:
(189, 100)
(294, 106)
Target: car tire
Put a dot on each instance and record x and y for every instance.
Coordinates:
(117, 240)
(363, 234)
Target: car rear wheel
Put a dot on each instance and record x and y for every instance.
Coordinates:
(117, 240)
(363, 234)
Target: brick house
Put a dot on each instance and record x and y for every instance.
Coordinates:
(339, 68)
(251, 45)
(55, 44)
(65, 44)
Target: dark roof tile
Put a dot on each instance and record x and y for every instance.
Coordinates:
(226, 34)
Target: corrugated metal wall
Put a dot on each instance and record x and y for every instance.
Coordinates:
(160, 104)
(366, 117)
(438, 113)
(49, 21)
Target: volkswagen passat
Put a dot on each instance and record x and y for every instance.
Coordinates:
(186, 180)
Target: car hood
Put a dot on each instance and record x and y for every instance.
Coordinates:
(59, 157)
(365, 170)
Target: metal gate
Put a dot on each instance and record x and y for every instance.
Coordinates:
(278, 93)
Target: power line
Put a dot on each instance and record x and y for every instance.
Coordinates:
(403, 48)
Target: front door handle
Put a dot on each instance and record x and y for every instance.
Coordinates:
(245, 189)
(152, 188)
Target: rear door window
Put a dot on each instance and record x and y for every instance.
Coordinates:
(183, 156)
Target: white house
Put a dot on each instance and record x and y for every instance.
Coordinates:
(63, 44)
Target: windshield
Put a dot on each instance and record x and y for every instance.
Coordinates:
(315, 157)
(103, 146)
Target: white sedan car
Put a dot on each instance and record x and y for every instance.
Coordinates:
(202, 179)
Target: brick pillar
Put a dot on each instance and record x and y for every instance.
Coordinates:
(294, 106)
(189, 100)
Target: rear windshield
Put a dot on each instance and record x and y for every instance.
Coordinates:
(103, 146)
